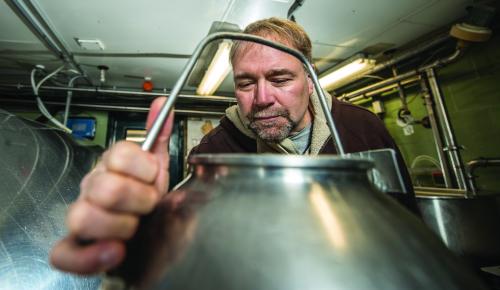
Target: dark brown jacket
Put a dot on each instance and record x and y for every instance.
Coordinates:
(359, 130)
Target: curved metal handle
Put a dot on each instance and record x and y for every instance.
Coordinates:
(167, 107)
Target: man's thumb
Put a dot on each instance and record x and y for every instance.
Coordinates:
(160, 147)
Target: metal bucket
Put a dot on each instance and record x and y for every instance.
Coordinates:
(285, 222)
(470, 227)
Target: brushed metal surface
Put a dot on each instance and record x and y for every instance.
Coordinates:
(286, 222)
(40, 170)
(468, 226)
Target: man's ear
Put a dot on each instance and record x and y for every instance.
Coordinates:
(309, 79)
(310, 85)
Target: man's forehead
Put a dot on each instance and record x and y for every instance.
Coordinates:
(275, 71)
(244, 46)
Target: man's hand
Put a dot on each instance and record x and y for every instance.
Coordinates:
(126, 184)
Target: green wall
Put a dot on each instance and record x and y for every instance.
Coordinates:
(471, 88)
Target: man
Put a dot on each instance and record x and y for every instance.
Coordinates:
(277, 112)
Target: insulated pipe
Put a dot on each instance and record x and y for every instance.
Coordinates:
(451, 148)
(477, 163)
(438, 140)
(32, 17)
(162, 116)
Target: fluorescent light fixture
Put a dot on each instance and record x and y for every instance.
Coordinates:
(344, 73)
(217, 70)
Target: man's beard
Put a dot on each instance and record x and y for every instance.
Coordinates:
(275, 130)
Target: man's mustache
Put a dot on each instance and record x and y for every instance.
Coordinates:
(266, 113)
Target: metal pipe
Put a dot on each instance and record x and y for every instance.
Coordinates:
(405, 55)
(116, 108)
(477, 163)
(162, 116)
(401, 91)
(451, 149)
(408, 82)
(438, 140)
(400, 78)
(125, 92)
(296, 4)
(410, 53)
(379, 85)
(32, 17)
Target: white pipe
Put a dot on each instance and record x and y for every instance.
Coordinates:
(68, 99)
(39, 102)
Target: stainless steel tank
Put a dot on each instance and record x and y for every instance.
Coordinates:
(285, 222)
(469, 226)
(40, 172)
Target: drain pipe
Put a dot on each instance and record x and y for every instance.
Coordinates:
(477, 163)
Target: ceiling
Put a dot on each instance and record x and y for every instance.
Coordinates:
(155, 38)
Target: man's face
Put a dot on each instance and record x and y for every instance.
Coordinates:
(272, 89)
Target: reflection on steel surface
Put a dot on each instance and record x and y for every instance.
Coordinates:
(469, 226)
(237, 224)
(40, 169)
(326, 215)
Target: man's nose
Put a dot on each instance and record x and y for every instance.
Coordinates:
(263, 95)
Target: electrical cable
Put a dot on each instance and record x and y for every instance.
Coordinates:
(41, 106)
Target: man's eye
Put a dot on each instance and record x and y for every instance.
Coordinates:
(244, 85)
(280, 81)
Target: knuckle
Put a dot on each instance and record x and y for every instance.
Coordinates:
(113, 193)
(119, 155)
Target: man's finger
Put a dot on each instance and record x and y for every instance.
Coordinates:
(160, 148)
(68, 255)
(120, 193)
(91, 222)
(128, 158)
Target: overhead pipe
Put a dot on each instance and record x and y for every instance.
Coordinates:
(125, 92)
(408, 54)
(117, 108)
(32, 17)
(400, 78)
(295, 5)
(366, 96)
(475, 164)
